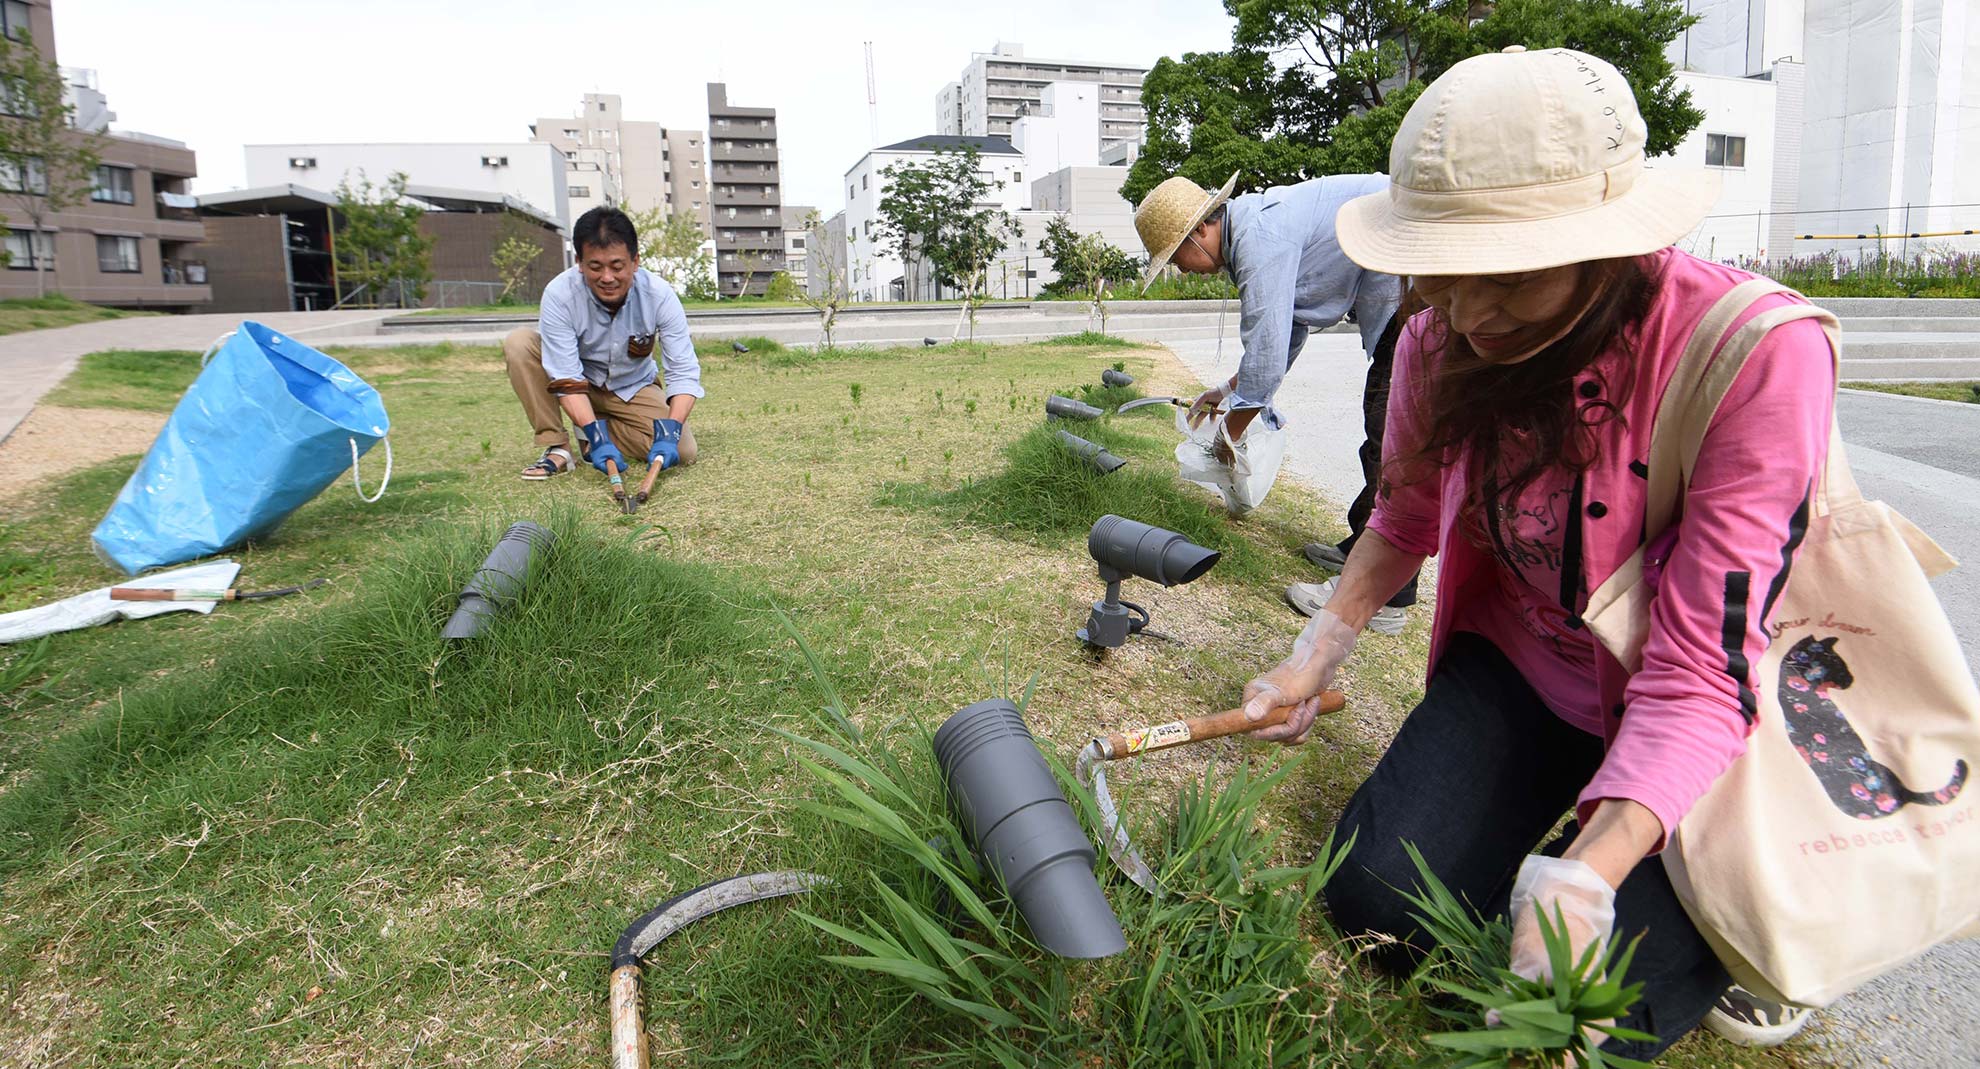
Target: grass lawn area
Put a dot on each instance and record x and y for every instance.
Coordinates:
(1940, 391)
(36, 313)
(305, 831)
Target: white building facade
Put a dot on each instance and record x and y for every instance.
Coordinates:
(529, 172)
(1003, 85)
(877, 273)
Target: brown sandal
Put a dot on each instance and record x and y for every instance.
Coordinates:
(547, 466)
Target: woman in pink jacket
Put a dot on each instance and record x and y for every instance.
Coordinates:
(1520, 419)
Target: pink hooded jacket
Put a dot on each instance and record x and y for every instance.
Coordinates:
(1676, 724)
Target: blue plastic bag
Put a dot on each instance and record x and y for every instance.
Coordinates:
(267, 425)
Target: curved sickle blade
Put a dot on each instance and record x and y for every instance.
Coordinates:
(1143, 402)
(1091, 771)
(684, 909)
(628, 1030)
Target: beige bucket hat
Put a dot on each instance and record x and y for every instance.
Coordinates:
(1517, 161)
(1168, 213)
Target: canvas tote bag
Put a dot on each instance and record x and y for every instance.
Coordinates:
(1845, 841)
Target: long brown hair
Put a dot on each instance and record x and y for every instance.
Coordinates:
(1512, 423)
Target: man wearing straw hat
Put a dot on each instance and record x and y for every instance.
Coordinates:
(1278, 247)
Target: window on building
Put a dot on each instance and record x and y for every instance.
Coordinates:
(862, 181)
(849, 193)
(580, 191)
(1725, 150)
(601, 105)
(570, 133)
(116, 254)
(731, 212)
(11, 180)
(16, 15)
(694, 183)
(113, 185)
(1017, 176)
(23, 253)
(797, 243)
(768, 212)
(867, 227)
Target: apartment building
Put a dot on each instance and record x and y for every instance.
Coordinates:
(625, 163)
(129, 244)
(1002, 85)
(748, 194)
(796, 255)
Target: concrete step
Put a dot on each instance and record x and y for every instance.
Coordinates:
(1912, 325)
(1898, 307)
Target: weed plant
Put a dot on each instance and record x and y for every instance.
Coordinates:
(1092, 339)
(1219, 971)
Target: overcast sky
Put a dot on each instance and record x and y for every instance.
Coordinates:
(218, 74)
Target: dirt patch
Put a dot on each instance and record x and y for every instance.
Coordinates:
(54, 439)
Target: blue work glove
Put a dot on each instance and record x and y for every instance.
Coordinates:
(666, 449)
(601, 445)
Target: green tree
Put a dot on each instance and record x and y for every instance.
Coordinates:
(1085, 262)
(782, 287)
(513, 259)
(670, 245)
(931, 213)
(1313, 87)
(46, 164)
(380, 250)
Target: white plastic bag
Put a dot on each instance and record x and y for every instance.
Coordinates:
(1256, 456)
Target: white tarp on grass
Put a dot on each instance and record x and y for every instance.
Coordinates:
(95, 607)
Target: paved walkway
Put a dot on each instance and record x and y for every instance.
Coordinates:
(32, 362)
(1923, 458)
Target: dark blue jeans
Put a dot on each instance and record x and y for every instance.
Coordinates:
(1479, 773)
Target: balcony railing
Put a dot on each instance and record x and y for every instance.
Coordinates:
(184, 272)
(740, 153)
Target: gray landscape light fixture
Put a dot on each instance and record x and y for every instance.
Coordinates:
(1112, 377)
(1016, 818)
(1067, 408)
(739, 347)
(1095, 453)
(930, 342)
(1123, 548)
(499, 581)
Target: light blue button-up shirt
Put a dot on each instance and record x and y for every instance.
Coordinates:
(1292, 277)
(583, 339)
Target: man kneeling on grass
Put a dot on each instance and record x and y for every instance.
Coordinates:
(591, 356)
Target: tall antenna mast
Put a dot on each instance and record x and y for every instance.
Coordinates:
(872, 100)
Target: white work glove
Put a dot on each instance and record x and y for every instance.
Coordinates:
(1586, 902)
(1298, 680)
(1207, 404)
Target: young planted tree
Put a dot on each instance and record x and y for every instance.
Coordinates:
(670, 245)
(380, 250)
(46, 164)
(512, 259)
(1087, 264)
(1313, 87)
(828, 273)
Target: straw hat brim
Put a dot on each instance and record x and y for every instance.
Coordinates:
(1661, 207)
(1157, 263)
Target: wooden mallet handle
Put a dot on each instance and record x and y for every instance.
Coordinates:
(166, 593)
(1201, 728)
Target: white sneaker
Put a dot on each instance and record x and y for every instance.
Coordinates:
(1751, 1021)
(1310, 598)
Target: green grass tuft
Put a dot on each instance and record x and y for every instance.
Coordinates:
(1048, 493)
(143, 380)
(1968, 392)
(1093, 339)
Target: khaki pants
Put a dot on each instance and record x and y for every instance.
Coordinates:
(629, 422)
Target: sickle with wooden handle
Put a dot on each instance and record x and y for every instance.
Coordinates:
(628, 1029)
(1092, 773)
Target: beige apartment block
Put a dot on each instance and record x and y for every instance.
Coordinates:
(129, 244)
(628, 164)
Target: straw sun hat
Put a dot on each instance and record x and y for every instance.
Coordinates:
(1167, 215)
(1516, 161)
